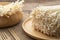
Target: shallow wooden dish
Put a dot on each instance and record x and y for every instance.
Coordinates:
(29, 29)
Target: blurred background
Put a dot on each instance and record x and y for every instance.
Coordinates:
(38, 1)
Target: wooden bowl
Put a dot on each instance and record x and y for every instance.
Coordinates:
(12, 20)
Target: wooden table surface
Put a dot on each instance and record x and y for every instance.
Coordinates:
(16, 32)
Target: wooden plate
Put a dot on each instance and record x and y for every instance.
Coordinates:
(29, 29)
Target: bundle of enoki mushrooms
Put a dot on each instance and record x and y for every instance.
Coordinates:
(11, 8)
